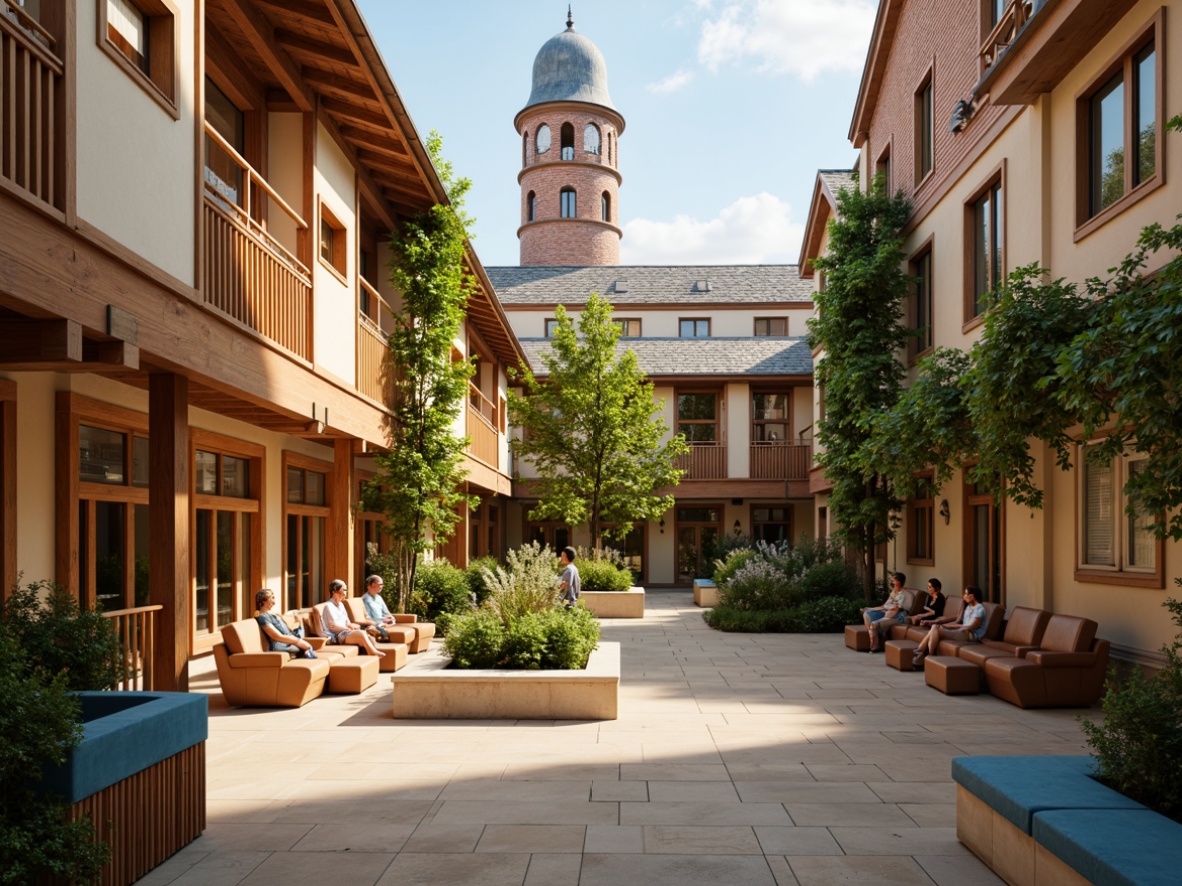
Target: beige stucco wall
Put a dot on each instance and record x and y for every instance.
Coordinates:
(36, 526)
(737, 415)
(136, 182)
(335, 303)
(285, 173)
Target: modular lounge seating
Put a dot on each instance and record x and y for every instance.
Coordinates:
(251, 676)
(1066, 671)
(351, 670)
(950, 673)
(904, 639)
(406, 628)
(857, 637)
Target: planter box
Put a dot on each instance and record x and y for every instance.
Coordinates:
(705, 592)
(1045, 820)
(426, 689)
(139, 774)
(614, 604)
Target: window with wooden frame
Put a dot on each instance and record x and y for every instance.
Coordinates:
(771, 523)
(922, 301)
(306, 508)
(693, 327)
(984, 258)
(1119, 138)
(551, 326)
(883, 167)
(921, 523)
(629, 326)
(771, 417)
(334, 242)
(367, 533)
(7, 487)
(924, 129)
(1115, 546)
(227, 531)
(697, 416)
(141, 37)
(771, 326)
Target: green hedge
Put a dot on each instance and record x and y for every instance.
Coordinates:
(597, 576)
(826, 615)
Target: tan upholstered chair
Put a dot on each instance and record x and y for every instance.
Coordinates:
(253, 677)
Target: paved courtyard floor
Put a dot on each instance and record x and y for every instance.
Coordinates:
(737, 758)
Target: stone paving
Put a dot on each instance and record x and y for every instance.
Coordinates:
(742, 758)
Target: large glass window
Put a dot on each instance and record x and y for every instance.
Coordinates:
(605, 206)
(542, 142)
(770, 417)
(567, 134)
(591, 138)
(694, 328)
(697, 417)
(987, 239)
(629, 326)
(924, 133)
(772, 524)
(222, 171)
(776, 326)
(921, 300)
(566, 203)
(306, 519)
(140, 36)
(1112, 538)
(921, 524)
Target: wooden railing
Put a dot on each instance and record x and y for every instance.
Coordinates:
(371, 344)
(704, 461)
(31, 156)
(484, 442)
(136, 629)
(1011, 22)
(780, 461)
(248, 273)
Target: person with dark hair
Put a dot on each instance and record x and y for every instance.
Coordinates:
(891, 612)
(971, 627)
(568, 583)
(335, 624)
(933, 606)
(281, 637)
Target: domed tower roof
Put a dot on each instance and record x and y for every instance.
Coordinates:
(570, 68)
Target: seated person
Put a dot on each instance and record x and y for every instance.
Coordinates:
(891, 612)
(283, 638)
(376, 608)
(971, 627)
(335, 624)
(933, 606)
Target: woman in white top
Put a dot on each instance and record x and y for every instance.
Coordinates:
(335, 624)
(971, 627)
(890, 613)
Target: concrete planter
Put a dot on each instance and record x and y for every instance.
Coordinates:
(428, 690)
(705, 593)
(614, 604)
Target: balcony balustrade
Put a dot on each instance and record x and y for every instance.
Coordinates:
(372, 346)
(136, 629)
(483, 439)
(704, 461)
(780, 461)
(1012, 20)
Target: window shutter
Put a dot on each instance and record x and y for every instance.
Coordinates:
(1098, 521)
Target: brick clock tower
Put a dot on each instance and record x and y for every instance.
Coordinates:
(569, 130)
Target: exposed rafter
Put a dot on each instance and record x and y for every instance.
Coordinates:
(257, 29)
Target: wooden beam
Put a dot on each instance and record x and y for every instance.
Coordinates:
(168, 511)
(257, 29)
(237, 81)
(388, 162)
(357, 116)
(327, 51)
(328, 84)
(39, 343)
(338, 540)
(377, 144)
(309, 11)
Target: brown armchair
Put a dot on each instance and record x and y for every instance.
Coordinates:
(1023, 632)
(1066, 671)
(253, 677)
(994, 617)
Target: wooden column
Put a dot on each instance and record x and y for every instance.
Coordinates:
(7, 487)
(168, 487)
(339, 541)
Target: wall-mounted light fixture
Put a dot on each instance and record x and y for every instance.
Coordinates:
(662, 525)
(738, 527)
(945, 511)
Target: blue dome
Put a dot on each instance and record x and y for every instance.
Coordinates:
(570, 68)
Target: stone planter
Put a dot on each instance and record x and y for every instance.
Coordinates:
(139, 774)
(614, 604)
(705, 593)
(426, 689)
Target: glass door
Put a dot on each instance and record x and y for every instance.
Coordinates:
(698, 529)
(983, 542)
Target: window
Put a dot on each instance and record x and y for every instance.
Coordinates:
(551, 327)
(924, 134)
(921, 511)
(629, 327)
(697, 417)
(566, 199)
(1114, 545)
(333, 242)
(994, 9)
(306, 512)
(140, 36)
(610, 140)
(531, 206)
(542, 140)
(985, 259)
(567, 135)
(591, 138)
(771, 524)
(883, 167)
(524, 148)
(694, 328)
(771, 326)
(605, 206)
(223, 170)
(921, 301)
(1119, 117)
(770, 418)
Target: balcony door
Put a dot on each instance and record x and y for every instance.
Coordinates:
(983, 547)
(698, 531)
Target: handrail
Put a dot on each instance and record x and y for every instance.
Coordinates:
(44, 54)
(480, 401)
(27, 21)
(252, 177)
(1016, 14)
(377, 297)
(136, 628)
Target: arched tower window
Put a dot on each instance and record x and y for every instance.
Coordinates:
(591, 139)
(524, 148)
(605, 206)
(542, 142)
(568, 142)
(531, 207)
(609, 148)
(566, 199)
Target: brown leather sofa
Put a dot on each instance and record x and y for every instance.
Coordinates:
(1066, 670)
(1023, 632)
(857, 637)
(396, 652)
(406, 628)
(953, 607)
(995, 615)
(253, 677)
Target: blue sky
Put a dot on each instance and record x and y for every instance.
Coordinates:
(731, 106)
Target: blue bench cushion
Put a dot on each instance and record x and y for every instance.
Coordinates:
(703, 583)
(1114, 847)
(1019, 787)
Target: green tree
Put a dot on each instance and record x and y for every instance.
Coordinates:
(858, 328)
(417, 486)
(593, 431)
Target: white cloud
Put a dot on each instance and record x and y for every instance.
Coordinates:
(672, 83)
(789, 36)
(752, 230)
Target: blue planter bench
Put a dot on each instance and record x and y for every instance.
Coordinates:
(1039, 820)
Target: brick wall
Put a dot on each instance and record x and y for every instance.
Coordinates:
(570, 242)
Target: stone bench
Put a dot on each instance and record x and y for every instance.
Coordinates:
(705, 593)
(1045, 820)
(614, 604)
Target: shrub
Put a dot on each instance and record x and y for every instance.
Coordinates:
(603, 575)
(725, 544)
(440, 589)
(735, 560)
(757, 585)
(527, 583)
(553, 639)
(825, 615)
(1138, 746)
(476, 640)
(834, 578)
(571, 637)
(477, 583)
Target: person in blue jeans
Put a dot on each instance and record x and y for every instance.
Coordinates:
(281, 637)
(891, 612)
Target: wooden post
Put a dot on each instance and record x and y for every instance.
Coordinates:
(168, 481)
(340, 520)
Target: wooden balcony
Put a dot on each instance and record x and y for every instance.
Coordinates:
(1007, 28)
(249, 275)
(704, 461)
(780, 461)
(136, 629)
(484, 442)
(32, 153)
(372, 347)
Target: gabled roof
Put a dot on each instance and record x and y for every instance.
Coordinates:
(751, 356)
(821, 208)
(687, 285)
(886, 22)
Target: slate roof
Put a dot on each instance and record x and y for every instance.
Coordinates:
(757, 356)
(836, 179)
(651, 284)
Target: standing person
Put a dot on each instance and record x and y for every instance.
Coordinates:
(933, 606)
(281, 637)
(891, 612)
(568, 583)
(335, 624)
(971, 627)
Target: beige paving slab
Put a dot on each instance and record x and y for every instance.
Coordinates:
(692, 791)
(673, 772)
(531, 838)
(704, 813)
(479, 812)
(804, 792)
(852, 814)
(842, 870)
(249, 837)
(957, 870)
(285, 868)
(444, 838)
(898, 841)
(695, 840)
(796, 841)
(675, 870)
(553, 870)
(615, 791)
(614, 839)
(470, 869)
(359, 834)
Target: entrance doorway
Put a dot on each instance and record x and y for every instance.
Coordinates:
(698, 530)
(983, 542)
